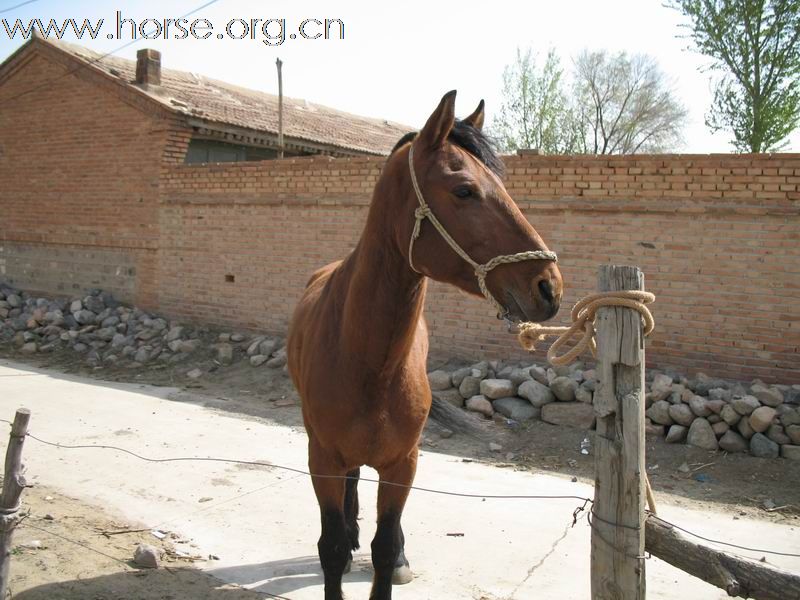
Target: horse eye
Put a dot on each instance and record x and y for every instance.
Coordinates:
(462, 192)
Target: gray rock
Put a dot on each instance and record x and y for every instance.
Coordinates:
(676, 434)
(482, 369)
(111, 321)
(761, 418)
(733, 442)
(659, 413)
(105, 333)
(76, 306)
(458, 376)
(745, 405)
(497, 388)
(584, 394)
(142, 354)
(701, 435)
(439, 380)
(720, 428)
(571, 414)
(702, 384)
(792, 395)
(470, 386)
(768, 396)
(516, 409)
(194, 374)
(174, 345)
(278, 360)
(146, 334)
(253, 348)
(258, 359)
(268, 346)
(518, 376)
(715, 406)
(793, 431)
(730, 416)
(778, 434)
(743, 427)
(564, 388)
(80, 347)
(480, 404)
(84, 317)
(551, 376)
(175, 333)
(224, 353)
(451, 396)
(127, 351)
(788, 415)
(189, 346)
(661, 388)
(29, 348)
(699, 406)
(681, 414)
(237, 337)
(763, 447)
(539, 374)
(536, 393)
(146, 556)
(94, 304)
(790, 452)
(720, 394)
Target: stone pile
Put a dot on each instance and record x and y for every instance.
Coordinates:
(106, 333)
(706, 412)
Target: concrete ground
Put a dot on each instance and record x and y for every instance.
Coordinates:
(262, 523)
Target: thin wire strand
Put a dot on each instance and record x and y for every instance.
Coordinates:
(309, 474)
(390, 483)
(94, 61)
(16, 6)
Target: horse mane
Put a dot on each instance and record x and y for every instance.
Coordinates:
(473, 140)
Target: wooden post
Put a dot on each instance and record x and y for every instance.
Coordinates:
(279, 64)
(13, 484)
(618, 571)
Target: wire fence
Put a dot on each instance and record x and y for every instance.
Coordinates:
(586, 501)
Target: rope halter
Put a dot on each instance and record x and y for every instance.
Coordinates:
(481, 270)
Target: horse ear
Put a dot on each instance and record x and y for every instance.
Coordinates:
(476, 118)
(440, 122)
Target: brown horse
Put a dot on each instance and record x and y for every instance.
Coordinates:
(358, 344)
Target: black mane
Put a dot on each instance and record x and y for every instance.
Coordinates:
(470, 139)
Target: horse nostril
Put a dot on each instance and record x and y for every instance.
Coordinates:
(546, 289)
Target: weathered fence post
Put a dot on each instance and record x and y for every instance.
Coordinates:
(13, 484)
(618, 568)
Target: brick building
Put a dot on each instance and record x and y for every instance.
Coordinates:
(85, 137)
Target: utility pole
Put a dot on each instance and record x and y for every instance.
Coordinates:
(279, 64)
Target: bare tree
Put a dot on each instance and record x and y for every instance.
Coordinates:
(625, 104)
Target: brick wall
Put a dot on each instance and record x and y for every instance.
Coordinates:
(717, 238)
(80, 166)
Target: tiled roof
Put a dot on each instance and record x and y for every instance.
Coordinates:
(219, 102)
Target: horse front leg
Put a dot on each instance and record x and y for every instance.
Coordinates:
(334, 544)
(388, 554)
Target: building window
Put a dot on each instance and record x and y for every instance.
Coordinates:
(212, 151)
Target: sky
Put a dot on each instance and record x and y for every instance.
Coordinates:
(397, 59)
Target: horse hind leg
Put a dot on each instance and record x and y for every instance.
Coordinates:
(388, 555)
(351, 512)
(334, 542)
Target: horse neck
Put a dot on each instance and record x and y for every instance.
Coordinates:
(385, 296)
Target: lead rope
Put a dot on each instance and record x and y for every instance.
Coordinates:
(481, 270)
(582, 315)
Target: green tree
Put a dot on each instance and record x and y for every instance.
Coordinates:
(535, 112)
(755, 44)
(626, 104)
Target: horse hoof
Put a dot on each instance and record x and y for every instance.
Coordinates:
(348, 565)
(402, 575)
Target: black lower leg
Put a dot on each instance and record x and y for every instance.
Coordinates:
(351, 507)
(401, 561)
(334, 551)
(386, 548)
